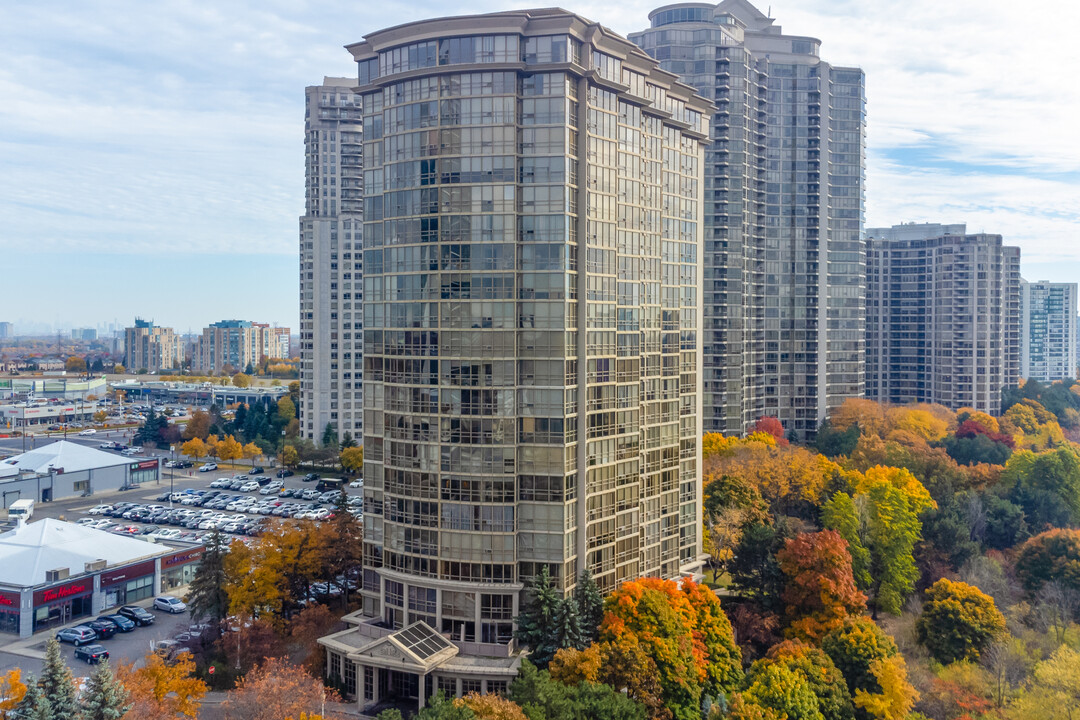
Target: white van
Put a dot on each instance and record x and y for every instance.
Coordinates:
(21, 509)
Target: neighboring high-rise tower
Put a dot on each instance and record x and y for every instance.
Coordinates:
(152, 348)
(784, 204)
(532, 230)
(943, 316)
(1048, 330)
(331, 264)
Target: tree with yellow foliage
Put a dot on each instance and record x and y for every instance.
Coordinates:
(229, 449)
(1054, 693)
(867, 414)
(491, 707)
(250, 451)
(241, 380)
(195, 448)
(897, 696)
(921, 423)
(12, 690)
(161, 689)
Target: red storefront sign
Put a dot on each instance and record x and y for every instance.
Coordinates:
(144, 465)
(181, 558)
(62, 591)
(127, 573)
(9, 600)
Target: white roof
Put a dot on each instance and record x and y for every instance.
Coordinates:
(72, 457)
(27, 552)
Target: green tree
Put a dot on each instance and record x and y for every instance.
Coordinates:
(958, 621)
(566, 631)
(773, 685)
(854, 648)
(821, 674)
(35, 705)
(329, 436)
(104, 698)
(57, 682)
(537, 619)
(590, 605)
(347, 440)
(1052, 556)
(544, 699)
(441, 708)
(1046, 485)
(207, 596)
(1054, 692)
(840, 514)
(286, 409)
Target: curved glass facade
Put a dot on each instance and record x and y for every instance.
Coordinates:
(531, 251)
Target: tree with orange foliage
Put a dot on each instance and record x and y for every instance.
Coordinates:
(571, 666)
(160, 689)
(12, 690)
(820, 592)
(771, 426)
(274, 689)
(867, 414)
(491, 707)
(786, 477)
(679, 631)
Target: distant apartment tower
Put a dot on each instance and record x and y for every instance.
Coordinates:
(943, 316)
(237, 344)
(85, 334)
(784, 204)
(152, 348)
(6, 330)
(331, 263)
(532, 233)
(1048, 330)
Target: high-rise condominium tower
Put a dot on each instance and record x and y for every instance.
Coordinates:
(784, 263)
(943, 316)
(532, 225)
(331, 264)
(1048, 330)
(237, 344)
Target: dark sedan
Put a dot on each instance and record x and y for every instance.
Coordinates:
(92, 654)
(122, 623)
(138, 615)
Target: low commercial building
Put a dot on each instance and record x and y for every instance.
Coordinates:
(65, 469)
(199, 393)
(18, 415)
(53, 572)
(53, 388)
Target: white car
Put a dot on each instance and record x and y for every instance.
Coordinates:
(208, 467)
(99, 509)
(166, 534)
(356, 484)
(85, 521)
(169, 604)
(272, 488)
(89, 431)
(249, 486)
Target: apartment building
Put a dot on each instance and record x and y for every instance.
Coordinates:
(331, 263)
(1048, 330)
(943, 316)
(532, 226)
(152, 348)
(238, 344)
(784, 208)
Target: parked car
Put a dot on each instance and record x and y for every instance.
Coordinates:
(208, 467)
(137, 615)
(169, 604)
(104, 629)
(272, 488)
(283, 473)
(121, 623)
(183, 464)
(310, 477)
(78, 635)
(92, 654)
(256, 470)
(89, 431)
(249, 486)
(357, 483)
(99, 509)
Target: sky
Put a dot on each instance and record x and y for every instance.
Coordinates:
(151, 153)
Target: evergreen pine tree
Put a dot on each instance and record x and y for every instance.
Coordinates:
(590, 606)
(34, 705)
(536, 620)
(347, 440)
(105, 698)
(329, 436)
(207, 597)
(58, 684)
(567, 629)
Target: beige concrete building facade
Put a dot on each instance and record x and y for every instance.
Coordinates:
(152, 348)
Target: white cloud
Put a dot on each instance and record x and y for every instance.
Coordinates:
(152, 126)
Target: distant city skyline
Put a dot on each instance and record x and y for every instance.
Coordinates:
(163, 155)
